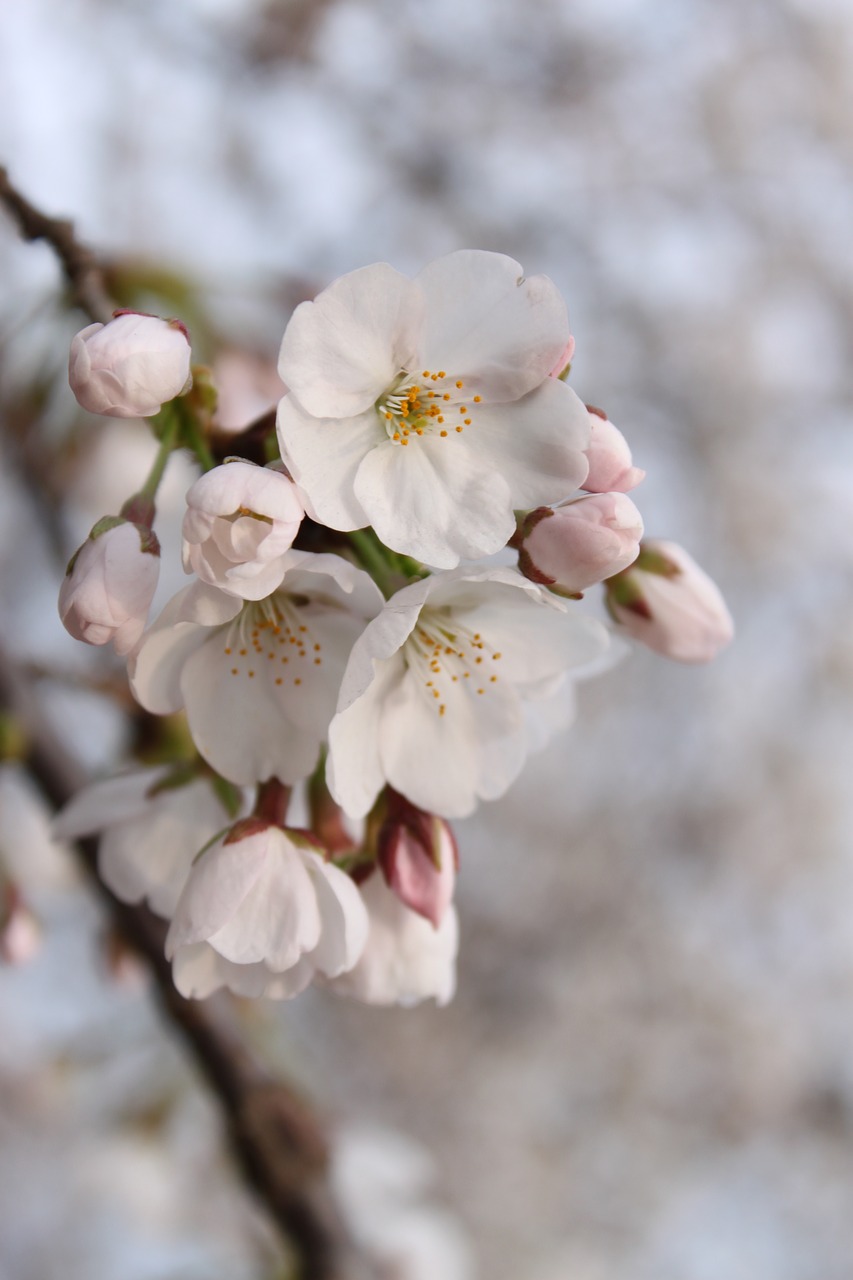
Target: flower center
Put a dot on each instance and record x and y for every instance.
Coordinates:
(443, 653)
(275, 633)
(433, 404)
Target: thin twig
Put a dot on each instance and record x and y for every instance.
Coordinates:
(275, 1136)
(79, 264)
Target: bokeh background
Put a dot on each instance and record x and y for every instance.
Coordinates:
(648, 1069)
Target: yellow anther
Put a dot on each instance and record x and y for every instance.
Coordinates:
(279, 680)
(396, 435)
(477, 399)
(233, 671)
(463, 408)
(446, 395)
(467, 422)
(495, 656)
(442, 374)
(460, 428)
(442, 433)
(404, 442)
(493, 679)
(227, 650)
(419, 431)
(442, 709)
(251, 675)
(425, 373)
(297, 680)
(459, 383)
(388, 415)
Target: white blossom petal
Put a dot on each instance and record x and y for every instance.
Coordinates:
(538, 443)
(435, 500)
(323, 456)
(342, 349)
(489, 325)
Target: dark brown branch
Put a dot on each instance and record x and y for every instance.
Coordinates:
(79, 264)
(273, 1133)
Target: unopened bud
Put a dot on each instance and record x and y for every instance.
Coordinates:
(418, 857)
(110, 583)
(671, 605)
(130, 367)
(570, 548)
(611, 468)
(20, 931)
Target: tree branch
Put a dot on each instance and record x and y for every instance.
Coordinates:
(273, 1133)
(79, 264)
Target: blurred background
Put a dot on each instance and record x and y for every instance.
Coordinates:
(648, 1069)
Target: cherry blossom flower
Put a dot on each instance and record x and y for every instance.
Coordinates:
(110, 583)
(258, 679)
(570, 548)
(406, 959)
(425, 408)
(151, 827)
(262, 913)
(668, 603)
(240, 522)
(611, 467)
(130, 367)
(432, 702)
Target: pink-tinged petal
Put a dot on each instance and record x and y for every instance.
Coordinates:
(355, 772)
(418, 859)
(382, 639)
(537, 442)
(219, 882)
(323, 455)
(436, 500)
(489, 326)
(278, 919)
(342, 350)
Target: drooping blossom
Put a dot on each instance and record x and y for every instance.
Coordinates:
(263, 913)
(570, 548)
(152, 823)
(425, 408)
(110, 583)
(611, 467)
(131, 366)
(418, 858)
(258, 679)
(406, 958)
(240, 522)
(668, 603)
(432, 702)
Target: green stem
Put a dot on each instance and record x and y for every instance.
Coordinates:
(372, 555)
(194, 438)
(167, 444)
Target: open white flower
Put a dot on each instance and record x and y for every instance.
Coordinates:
(150, 831)
(406, 959)
(258, 679)
(262, 913)
(424, 407)
(240, 523)
(432, 701)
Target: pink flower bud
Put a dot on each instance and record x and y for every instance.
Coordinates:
(571, 547)
(611, 469)
(671, 605)
(110, 583)
(130, 367)
(418, 857)
(20, 931)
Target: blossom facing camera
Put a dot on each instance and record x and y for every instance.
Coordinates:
(433, 700)
(110, 583)
(611, 467)
(572, 547)
(425, 407)
(263, 913)
(240, 521)
(258, 679)
(418, 857)
(406, 959)
(131, 366)
(668, 603)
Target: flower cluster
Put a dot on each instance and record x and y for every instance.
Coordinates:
(341, 633)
